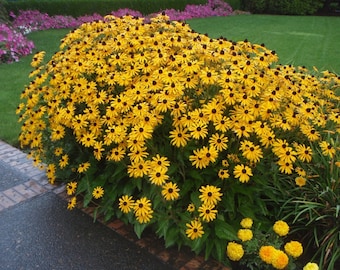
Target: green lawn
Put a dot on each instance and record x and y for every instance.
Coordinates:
(300, 40)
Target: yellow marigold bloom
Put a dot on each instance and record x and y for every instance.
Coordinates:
(71, 188)
(311, 266)
(245, 234)
(300, 181)
(243, 173)
(280, 260)
(281, 228)
(266, 254)
(207, 212)
(194, 229)
(294, 249)
(126, 203)
(246, 223)
(170, 191)
(235, 251)
(210, 194)
(98, 192)
(72, 203)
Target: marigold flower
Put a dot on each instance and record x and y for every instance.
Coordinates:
(280, 259)
(311, 266)
(300, 181)
(281, 228)
(235, 251)
(246, 223)
(245, 234)
(293, 248)
(266, 254)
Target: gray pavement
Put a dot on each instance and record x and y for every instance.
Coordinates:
(38, 232)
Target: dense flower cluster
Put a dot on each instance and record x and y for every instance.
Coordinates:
(13, 44)
(164, 126)
(265, 248)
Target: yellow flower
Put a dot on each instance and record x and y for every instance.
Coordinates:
(235, 251)
(246, 223)
(170, 191)
(245, 234)
(126, 203)
(281, 228)
(280, 259)
(83, 167)
(71, 188)
(98, 192)
(72, 203)
(210, 194)
(194, 229)
(311, 266)
(191, 208)
(293, 248)
(300, 181)
(207, 212)
(266, 254)
(63, 162)
(142, 209)
(327, 149)
(242, 172)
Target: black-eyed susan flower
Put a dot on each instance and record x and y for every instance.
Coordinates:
(327, 149)
(98, 192)
(207, 212)
(179, 137)
(191, 208)
(210, 195)
(194, 229)
(142, 209)
(72, 203)
(218, 141)
(170, 191)
(64, 161)
(126, 203)
(243, 173)
(71, 188)
(83, 167)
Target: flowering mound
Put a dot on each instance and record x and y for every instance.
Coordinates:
(165, 127)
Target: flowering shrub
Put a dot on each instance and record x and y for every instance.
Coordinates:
(13, 44)
(164, 127)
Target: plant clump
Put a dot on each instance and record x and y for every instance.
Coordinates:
(164, 127)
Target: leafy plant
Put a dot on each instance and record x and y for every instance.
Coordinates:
(168, 128)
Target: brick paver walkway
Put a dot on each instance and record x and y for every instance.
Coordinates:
(37, 184)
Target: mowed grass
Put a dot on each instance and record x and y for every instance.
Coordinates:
(299, 40)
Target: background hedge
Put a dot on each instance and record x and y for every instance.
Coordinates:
(286, 7)
(77, 8)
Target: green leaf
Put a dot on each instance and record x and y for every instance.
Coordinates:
(171, 237)
(139, 228)
(195, 175)
(87, 199)
(220, 248)
(208, 248)
(224, 230)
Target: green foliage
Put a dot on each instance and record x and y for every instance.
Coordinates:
(291, 7)
(77, 8)
(4, 18)
(170, 129)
